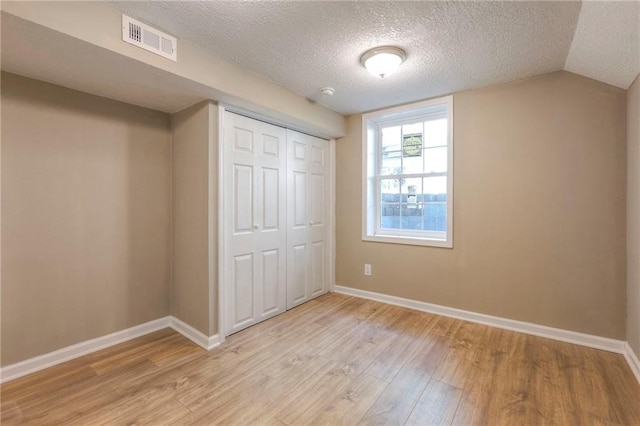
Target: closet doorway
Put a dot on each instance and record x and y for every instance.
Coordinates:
(276, 219)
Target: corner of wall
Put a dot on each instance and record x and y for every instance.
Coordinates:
(214, 134)
(633, 216)
(191, 265)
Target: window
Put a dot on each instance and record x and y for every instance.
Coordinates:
(408, 174)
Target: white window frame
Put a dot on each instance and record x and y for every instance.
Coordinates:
(371, 140)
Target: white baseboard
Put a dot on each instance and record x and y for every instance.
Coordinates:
(632, 359)
(597, 342)
(196, 336)
(31, 365)
(50, 359)
(59, 356)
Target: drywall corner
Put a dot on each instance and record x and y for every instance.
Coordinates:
(214, 126)
(190, 188)
(633, 216)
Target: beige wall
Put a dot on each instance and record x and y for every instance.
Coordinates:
(192, 294)
(633, 216)
(86, 217)
(539, 210)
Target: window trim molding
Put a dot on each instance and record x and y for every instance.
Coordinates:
(370, 122)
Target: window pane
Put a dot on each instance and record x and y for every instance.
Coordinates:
(412, 128)
(391, 163)
(412, 148)
(435, 203)
(411, 216)
(390, 190)
(435, 160)
(411, 190)
(435, 188)
(389, 216)
(435, 216)
(412, 165)
(435, 132)
(391, 138)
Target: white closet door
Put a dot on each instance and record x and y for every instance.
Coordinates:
(254, 221)
(308, 214)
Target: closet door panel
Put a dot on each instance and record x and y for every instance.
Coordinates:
(270, 199)
(254, 232)
(318, 273)
(243, 286)
(319, 229)
(307, 175)
(299, 201)
(297, 207)
(270, 279)
(243, 198)
(297, 277)
(271, 146)
(317, 199)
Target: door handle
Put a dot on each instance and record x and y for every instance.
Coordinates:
(255, 225)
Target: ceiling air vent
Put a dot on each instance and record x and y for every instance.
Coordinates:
(149, 38)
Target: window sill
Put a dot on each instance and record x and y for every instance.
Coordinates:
(413, 241)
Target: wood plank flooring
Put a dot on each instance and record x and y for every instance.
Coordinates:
(335, 360)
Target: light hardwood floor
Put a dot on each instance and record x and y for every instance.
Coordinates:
(335, 360)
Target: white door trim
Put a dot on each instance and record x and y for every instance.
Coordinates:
(211, 223)
(332, 215)
(221, 234)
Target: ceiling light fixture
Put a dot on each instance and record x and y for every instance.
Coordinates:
(327, 91)
(382, 61)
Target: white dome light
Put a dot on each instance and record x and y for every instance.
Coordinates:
(382, 61)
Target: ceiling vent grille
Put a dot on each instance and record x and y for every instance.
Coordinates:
(149, 38)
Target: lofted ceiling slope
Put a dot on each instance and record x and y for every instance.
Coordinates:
(606, 44)
(304, 46)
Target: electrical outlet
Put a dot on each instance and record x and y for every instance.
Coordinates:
(367, 269)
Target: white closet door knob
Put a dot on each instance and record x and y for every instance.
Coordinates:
(255, 225)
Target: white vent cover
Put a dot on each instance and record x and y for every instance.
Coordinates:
(149, 38)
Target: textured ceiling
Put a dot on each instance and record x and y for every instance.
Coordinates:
(606, 45)
(305, 46)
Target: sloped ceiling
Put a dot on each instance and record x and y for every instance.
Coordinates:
(606, 45)
(451, 46)
(306, 45)
(79, 45)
